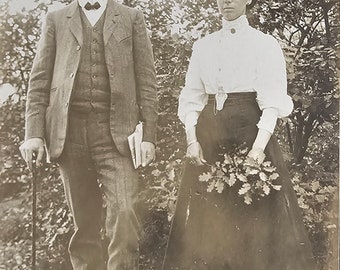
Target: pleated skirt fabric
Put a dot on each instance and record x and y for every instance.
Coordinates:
(212, 231)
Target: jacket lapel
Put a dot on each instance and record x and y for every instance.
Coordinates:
(75, 25)
(113, 24)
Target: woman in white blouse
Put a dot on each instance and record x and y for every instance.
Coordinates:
(235, 89)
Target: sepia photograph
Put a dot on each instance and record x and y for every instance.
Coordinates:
(169, 134)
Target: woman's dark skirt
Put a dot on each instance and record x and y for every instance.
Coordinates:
(219, 231)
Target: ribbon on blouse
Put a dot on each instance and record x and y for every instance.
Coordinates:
(220, 98)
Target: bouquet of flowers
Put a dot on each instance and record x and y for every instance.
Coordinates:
(252, 179)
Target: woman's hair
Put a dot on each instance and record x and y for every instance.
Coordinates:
(252, 4)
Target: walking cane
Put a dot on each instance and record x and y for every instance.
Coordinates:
(34, 213)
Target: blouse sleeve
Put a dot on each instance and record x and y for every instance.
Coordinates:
(193, 97)
(271, 84)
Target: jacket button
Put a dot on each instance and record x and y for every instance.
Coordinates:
(71, 75)
(66, 105)
(78, 48)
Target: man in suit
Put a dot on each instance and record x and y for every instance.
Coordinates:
(92, 80)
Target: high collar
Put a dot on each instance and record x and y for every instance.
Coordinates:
(82, 3)
(238, 24)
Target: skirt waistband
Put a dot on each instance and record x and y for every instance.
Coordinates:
(237, 96)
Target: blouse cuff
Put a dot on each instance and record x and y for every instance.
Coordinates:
(268, 119)
(191, 119)
(282, 103)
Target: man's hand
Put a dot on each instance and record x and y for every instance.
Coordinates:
(33, 146)
(195, 154)
(148, 153)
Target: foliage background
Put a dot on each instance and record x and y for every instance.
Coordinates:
(308, 31)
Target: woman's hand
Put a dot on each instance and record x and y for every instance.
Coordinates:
(195, 154)
(260, 143)
(257, 154)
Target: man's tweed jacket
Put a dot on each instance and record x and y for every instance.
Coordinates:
(130, 65)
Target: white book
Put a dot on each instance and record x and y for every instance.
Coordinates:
(135, 142)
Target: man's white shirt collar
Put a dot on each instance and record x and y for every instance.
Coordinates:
(93, 15)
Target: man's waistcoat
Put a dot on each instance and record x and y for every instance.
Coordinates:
(92, 86)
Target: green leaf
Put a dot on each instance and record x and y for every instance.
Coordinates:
(266, 164)
(277, 187)
(274, 176)
(241, 177)
(244, 189)
(231, 180)
(238, 160)
(247, 199)
(263, 176)
(220, 174)
(269, 169)
(219, 186)
(266, 189)
(204, 177)
(227, 159)
(211, 186)
(244, 151)
(252, 171)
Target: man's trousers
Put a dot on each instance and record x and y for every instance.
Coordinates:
(93, 169)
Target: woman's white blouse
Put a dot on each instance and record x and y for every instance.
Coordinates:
(237, 58)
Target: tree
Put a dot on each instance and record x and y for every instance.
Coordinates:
(308, 30)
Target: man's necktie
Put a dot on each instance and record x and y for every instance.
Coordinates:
(95, 6)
